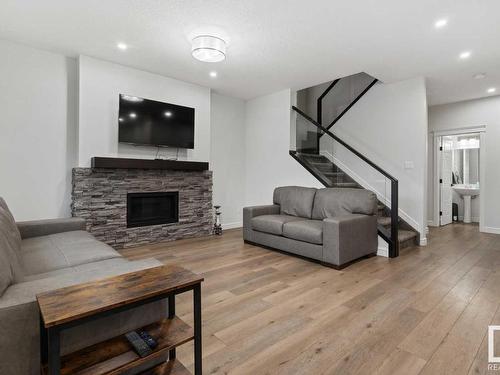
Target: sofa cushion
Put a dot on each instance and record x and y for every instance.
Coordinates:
(10, 243)
(332, 202)
(272, 224)
(61, 250)
(94, 266)
(295, 200)
(306, 230)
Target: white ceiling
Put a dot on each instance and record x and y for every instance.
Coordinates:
(276, 44)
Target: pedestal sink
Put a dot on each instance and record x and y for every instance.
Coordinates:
(467, 192)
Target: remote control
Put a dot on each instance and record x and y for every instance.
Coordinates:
(148, 339)
(139, 344)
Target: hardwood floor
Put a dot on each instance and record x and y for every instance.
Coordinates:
(264, 312)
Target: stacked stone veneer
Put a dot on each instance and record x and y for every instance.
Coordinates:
(100, 197)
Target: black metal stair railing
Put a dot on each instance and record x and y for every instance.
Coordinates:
(390, 236)
(351, 104)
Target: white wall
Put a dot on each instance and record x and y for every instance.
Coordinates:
(227, 149)
(267, 144)
(473, 113)
(389, 126)
(37, 131)
(101, 82)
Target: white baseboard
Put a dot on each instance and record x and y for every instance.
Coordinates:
(431, 223)
(423, 241)
(414, 224)
(383, 252)
(237, 224)
(490, 230)
(474, 219)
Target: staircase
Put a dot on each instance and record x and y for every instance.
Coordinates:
(309, 146)
(331, 175)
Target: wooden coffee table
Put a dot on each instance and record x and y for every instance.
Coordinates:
(71, 306)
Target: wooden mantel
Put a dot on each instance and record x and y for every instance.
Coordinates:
(128, 163)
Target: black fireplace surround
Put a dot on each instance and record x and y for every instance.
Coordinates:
(152, 208)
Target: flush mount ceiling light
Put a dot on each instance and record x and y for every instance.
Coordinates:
(208, 48)
(441, 23)
(213, 74)
(491, 90)
(465, 55)
(122, 46)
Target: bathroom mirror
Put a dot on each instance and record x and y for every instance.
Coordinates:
(465, 166)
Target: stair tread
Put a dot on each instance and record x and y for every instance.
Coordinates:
(384, 220)
(405, 235)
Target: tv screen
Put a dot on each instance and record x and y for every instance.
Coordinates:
(148, 122)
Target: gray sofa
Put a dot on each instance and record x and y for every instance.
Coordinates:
(39, 256)
(333, 226)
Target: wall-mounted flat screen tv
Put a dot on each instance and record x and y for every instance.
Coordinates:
(148, 122)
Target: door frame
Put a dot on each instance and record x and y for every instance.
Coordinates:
(436, 136)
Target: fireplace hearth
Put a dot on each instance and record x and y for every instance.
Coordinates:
(145, 209)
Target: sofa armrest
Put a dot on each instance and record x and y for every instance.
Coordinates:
(253, 211)
(349, 237)
(36, 228)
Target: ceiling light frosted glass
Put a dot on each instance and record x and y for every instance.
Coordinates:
(440, 23)
(208, 48)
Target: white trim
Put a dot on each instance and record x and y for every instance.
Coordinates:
(431, 223)
(423, 241)
(383, 252)
(482, 176)
(474, 219)
(409, 220)
(437, 134)
(237, 224)
(490, 230)
(455, 131)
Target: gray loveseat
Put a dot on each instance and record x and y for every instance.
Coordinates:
(333, 226)
(39, 256)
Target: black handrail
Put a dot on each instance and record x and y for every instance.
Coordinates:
(393, 239)
(355, 152)
(351, 104)
(319, 101)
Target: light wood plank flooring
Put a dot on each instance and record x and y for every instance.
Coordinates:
(265, 312)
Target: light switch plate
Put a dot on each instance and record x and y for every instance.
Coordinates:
(409, 165)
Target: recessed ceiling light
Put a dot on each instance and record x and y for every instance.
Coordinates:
(465, 55)
(440, 23)
(479, 75)
(132, 115)
(213, 74)
(122, 46)
(120, 119)
(491, 90)
(208, 48)
(168, 114)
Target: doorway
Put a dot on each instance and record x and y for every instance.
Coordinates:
(459, 176)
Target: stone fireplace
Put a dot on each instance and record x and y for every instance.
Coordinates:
(130, 207)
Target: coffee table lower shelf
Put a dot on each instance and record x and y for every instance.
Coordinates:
(115, 356)
(173, 367)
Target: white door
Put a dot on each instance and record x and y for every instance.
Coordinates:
(446, 192)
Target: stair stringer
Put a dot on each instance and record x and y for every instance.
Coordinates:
(386, 201)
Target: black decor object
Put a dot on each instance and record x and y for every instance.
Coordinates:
(217, 223)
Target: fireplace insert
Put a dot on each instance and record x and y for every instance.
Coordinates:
(152, 208)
